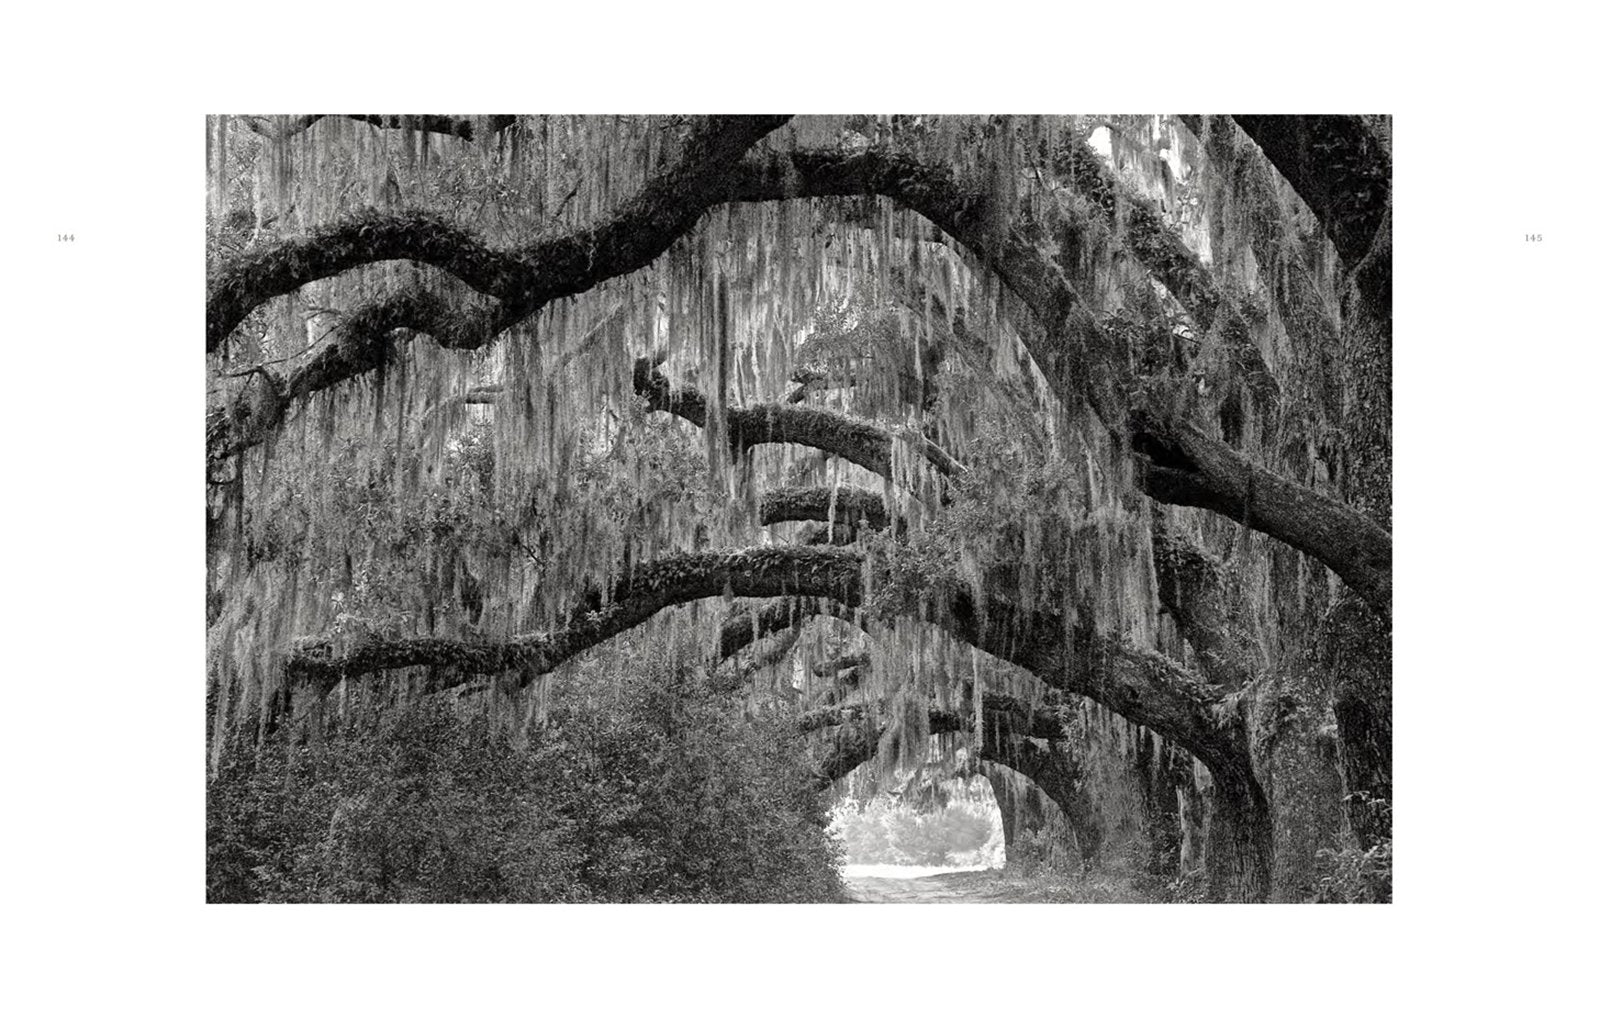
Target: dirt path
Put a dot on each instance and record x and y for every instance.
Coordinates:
(969, 886)
(912, 884)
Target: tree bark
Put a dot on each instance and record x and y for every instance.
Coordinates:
(1147, 235)
(856, 736)
(1239, 845)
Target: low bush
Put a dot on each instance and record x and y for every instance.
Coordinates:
(1353, 875)
(642, 788)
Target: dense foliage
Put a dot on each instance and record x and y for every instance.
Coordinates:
(641, 787)
(1353, 875)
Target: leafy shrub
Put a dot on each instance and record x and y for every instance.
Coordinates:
(1353, 875)
(424, 806)
(651, 790)
(1186, 889)
(1040, 851)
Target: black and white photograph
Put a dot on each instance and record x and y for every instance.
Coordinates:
(873, 508)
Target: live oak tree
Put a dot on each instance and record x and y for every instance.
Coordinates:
(1057, 422)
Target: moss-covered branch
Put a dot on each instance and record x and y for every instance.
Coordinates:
(858, 732)
(1143, 686)
(1182, 465)
(1072, 655)
(366, 339)
(832, 432)
(678, 579)
(525, 278)
(844, 506)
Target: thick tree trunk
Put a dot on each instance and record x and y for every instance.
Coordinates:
(1342, 170)
(1006, 803)
(1023, 821)
(1239, 844)
(1360, 656)
(1358, 639)
(1194, 817)
(1054, 771)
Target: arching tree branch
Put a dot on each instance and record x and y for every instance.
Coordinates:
(678, 579)
(465, 128)
(756, 622)
(827, 430)
(1143, 686)
(1012, 737)
(1057, 772)
(1192, 469)
(1073, 351)
(524, 279)
(856, 739)
(846, 506)
(364, 341)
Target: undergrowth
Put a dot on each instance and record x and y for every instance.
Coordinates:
(646, 789)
